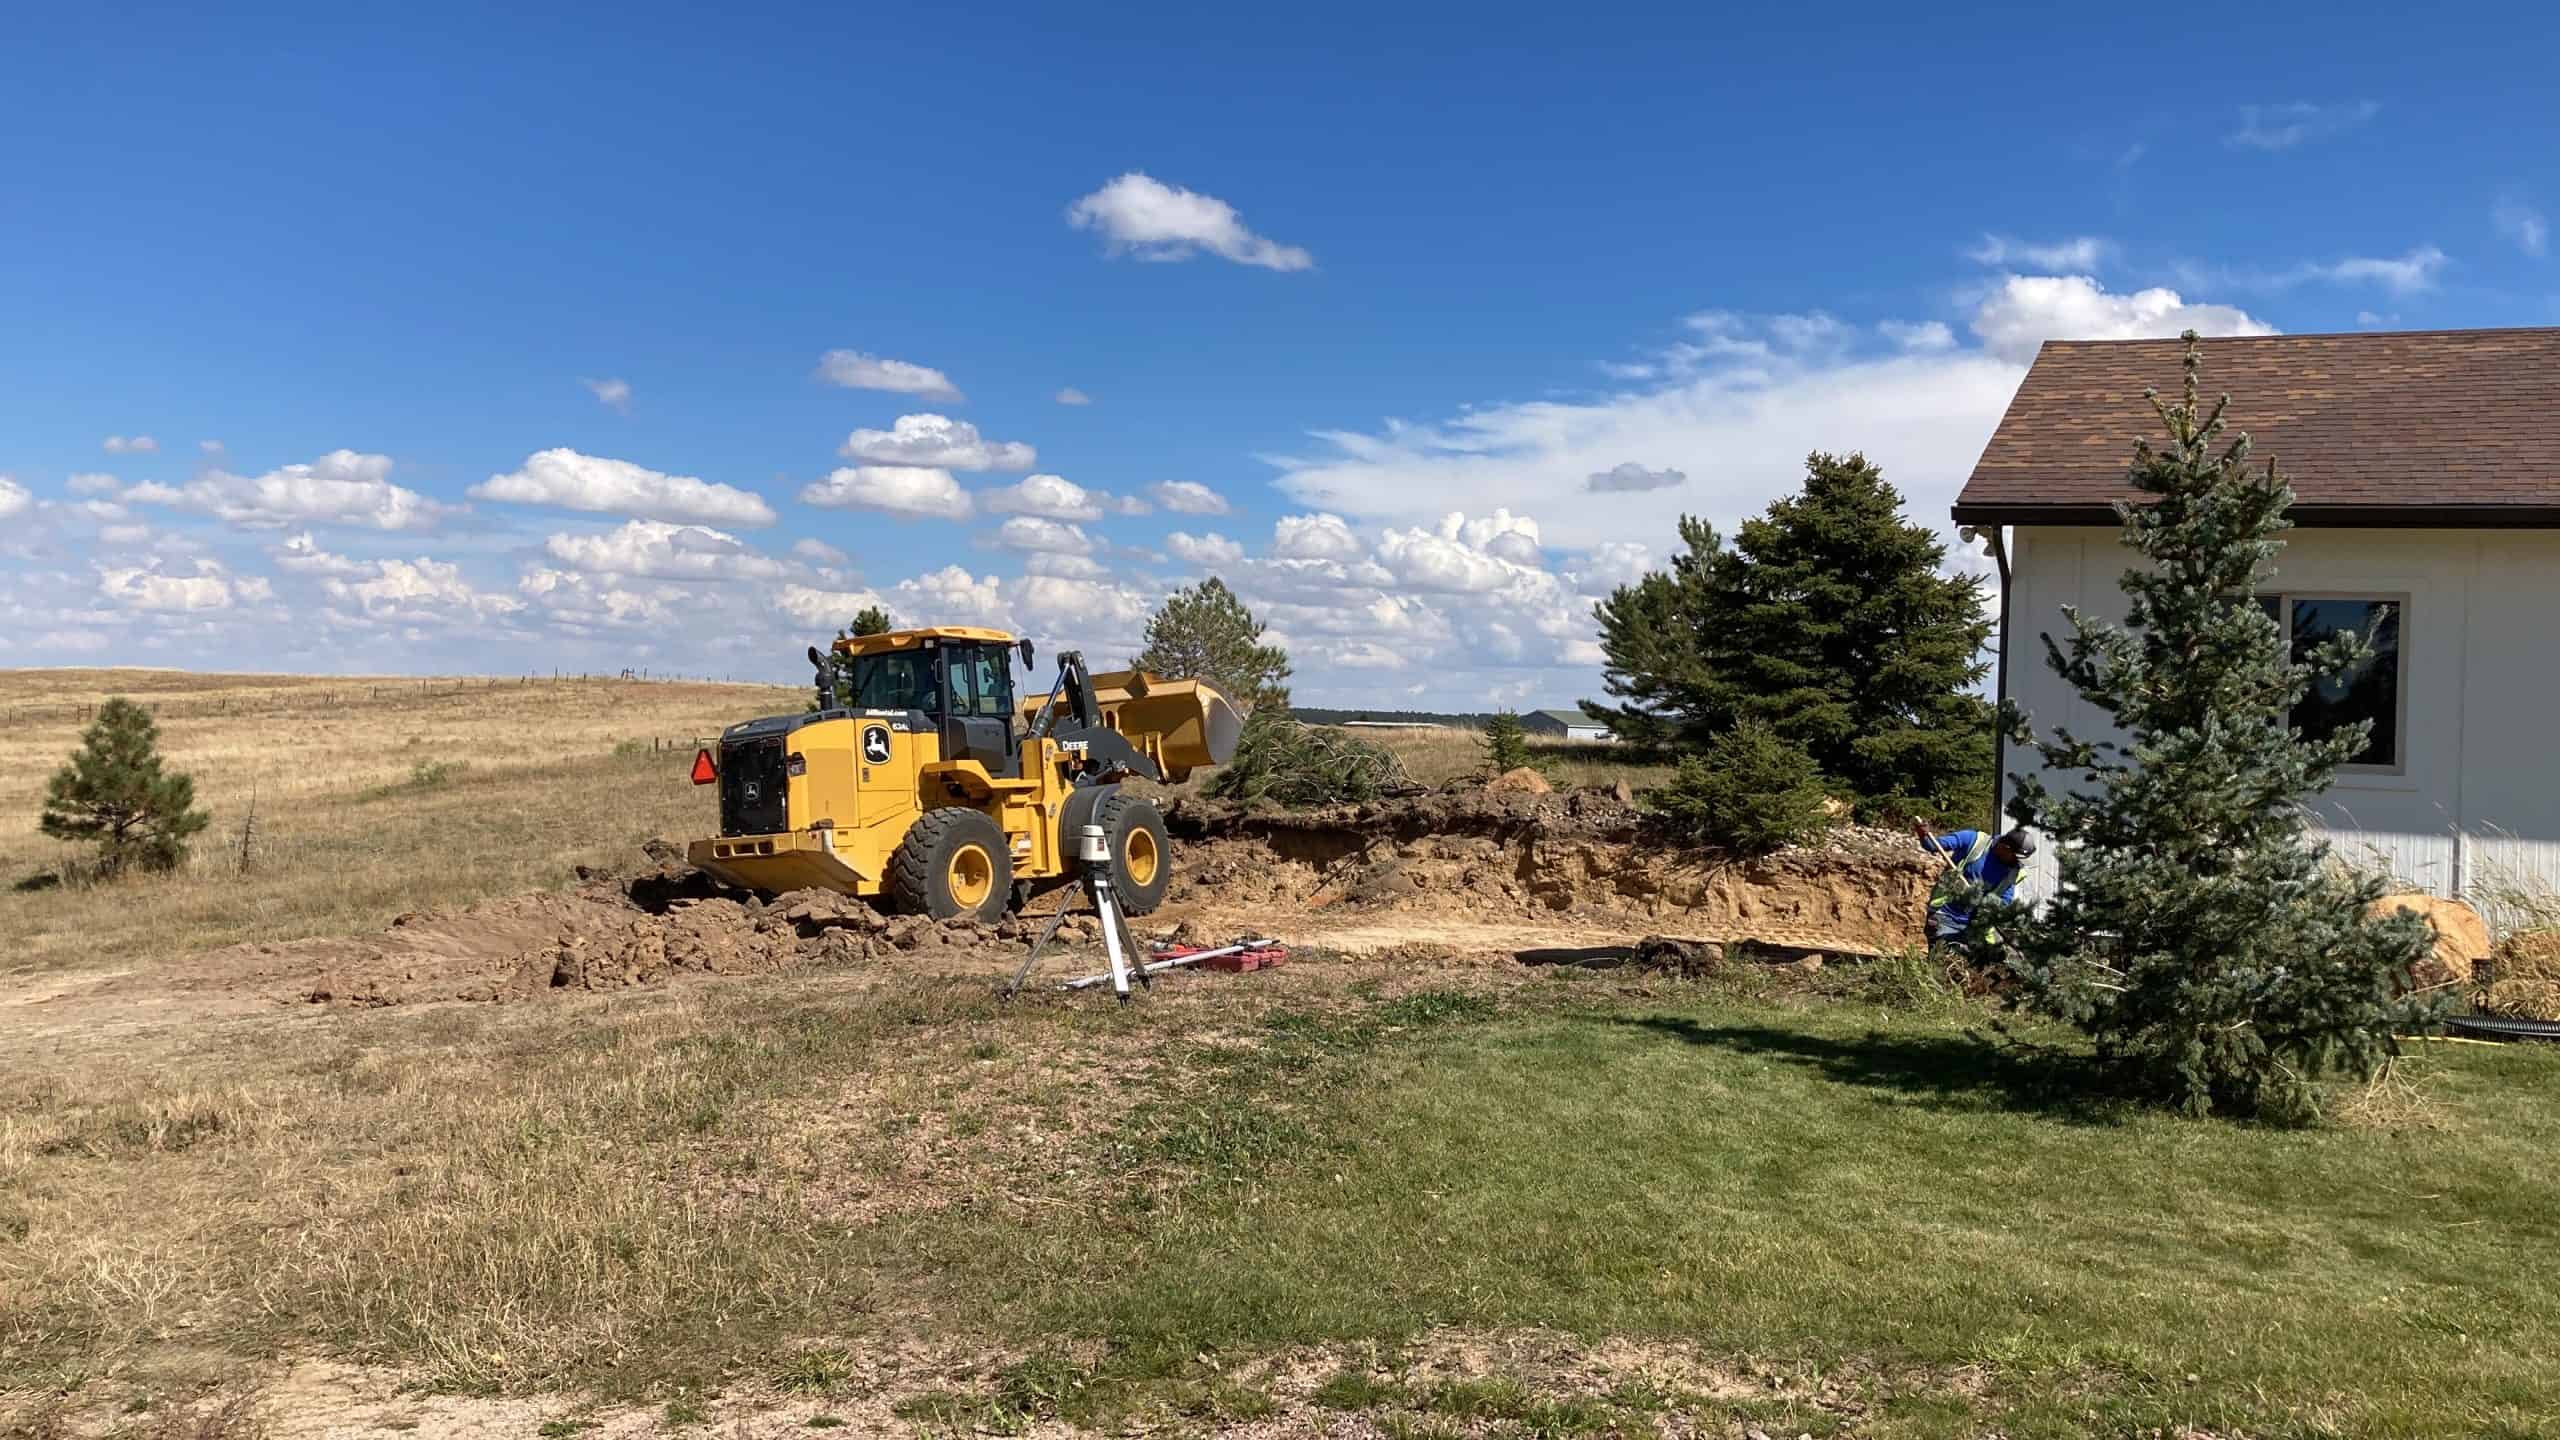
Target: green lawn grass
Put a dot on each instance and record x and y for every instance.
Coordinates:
(1835, 1186)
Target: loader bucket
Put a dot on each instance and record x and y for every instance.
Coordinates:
(1192, 722)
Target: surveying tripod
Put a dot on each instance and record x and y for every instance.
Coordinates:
(1093, 854)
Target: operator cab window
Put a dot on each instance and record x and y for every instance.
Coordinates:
(896, 680)
(992, 682)
(964, 684)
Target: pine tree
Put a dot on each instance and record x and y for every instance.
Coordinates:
(1750, 792)
(1827, 619)
(1203, 632)
(2200, 934)
(115, 794)
(874, 620)
(1506, 744)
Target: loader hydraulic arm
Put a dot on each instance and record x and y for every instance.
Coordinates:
(1106, 753)
(1075, 685)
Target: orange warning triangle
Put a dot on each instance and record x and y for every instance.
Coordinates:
(704, 772)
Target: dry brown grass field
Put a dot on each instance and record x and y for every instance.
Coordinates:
(372, 796)
(1436, 756)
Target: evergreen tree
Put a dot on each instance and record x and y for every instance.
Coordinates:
(874, 620)
(1827, 619)
(2200, 934)
(1750, 792)
(1203, 632)
(1506, 744)
(115, 794)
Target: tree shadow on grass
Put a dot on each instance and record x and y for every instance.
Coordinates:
(1941, 1072)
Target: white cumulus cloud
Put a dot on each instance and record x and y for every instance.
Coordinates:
(568, 480)
(340, 488)
(1188, 497)
(2027, 310)
(420, 591)
(129, 445)
(916, 492)
(302, 555)
(1142, 216)
(15, 499)
(1058, 498)
(583, 603)
(1314, 537)
(1925, 335)
(1212, 549)
(938, 441)
(209, 588)
(818, 552)
(1033, 533)
(658, 550)
(1073, 396)
(858, 370)
(613, 394)
(1071, 565)
(827, 610)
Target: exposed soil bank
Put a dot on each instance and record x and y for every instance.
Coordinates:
(1586, 853)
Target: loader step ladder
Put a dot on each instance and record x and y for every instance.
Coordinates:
(1093, 854)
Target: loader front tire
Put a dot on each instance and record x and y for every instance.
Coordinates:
(952, 863)
(1141, 854)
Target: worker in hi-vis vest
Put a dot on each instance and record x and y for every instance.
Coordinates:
(1980, 864)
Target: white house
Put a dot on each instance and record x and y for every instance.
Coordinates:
(2427, 473)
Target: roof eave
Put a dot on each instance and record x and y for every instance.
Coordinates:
(2321, 517)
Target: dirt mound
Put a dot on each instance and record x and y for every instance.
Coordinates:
(1523, 780)
(1584, 853)
(611, 932)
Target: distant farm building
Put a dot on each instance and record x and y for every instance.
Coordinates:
(1566, 724)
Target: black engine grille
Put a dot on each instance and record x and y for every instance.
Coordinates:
(754, 788)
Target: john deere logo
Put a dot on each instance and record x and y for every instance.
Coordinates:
(875, 744)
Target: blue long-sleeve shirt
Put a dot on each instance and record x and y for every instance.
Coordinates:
(1987, 872)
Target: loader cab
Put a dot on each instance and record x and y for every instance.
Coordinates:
(977, 713)
(959, 684)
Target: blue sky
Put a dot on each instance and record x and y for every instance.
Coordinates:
(1335, 276)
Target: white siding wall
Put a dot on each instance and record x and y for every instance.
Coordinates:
(2478, 801)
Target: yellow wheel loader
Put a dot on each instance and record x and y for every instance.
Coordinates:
(923, 780)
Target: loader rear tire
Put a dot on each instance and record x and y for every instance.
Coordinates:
(953, 863)
(1141, 854)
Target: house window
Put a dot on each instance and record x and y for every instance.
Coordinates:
(2369, 691)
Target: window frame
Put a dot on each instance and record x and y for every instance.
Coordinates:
(2399, 599)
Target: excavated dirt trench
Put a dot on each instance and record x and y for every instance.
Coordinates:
(1585, 855)
(1480, 873)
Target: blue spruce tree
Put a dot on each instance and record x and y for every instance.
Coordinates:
(2201, 935)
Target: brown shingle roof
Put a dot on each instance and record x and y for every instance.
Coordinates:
(2442, 427)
